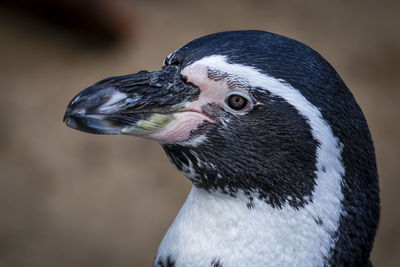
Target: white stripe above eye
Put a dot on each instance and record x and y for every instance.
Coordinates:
(297, 226)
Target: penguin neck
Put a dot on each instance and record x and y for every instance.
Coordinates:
(213, 227)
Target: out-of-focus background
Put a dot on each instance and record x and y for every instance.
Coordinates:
(72, 199)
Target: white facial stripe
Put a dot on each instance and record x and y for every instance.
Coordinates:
(287, 236)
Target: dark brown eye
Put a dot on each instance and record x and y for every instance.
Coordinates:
(236, 102)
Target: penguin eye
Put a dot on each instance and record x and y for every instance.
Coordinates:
(236, 102)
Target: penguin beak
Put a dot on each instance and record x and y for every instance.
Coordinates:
(147, 104)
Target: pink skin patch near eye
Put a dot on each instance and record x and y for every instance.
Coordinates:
(192, 117)
(211, 91)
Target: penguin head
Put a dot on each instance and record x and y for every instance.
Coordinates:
(233, 111)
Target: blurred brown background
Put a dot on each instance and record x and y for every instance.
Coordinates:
(74, 199)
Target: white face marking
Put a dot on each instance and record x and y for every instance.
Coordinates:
(213, 225)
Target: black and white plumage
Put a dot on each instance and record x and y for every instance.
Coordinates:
(278, 150)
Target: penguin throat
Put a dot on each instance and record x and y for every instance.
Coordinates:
(217, 171)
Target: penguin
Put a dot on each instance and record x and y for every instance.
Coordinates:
(279, 152)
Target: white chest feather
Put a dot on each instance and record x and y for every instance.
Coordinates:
(212, 227)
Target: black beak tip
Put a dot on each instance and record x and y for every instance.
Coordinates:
(83, 124)
(66, 117)
(71, 120)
